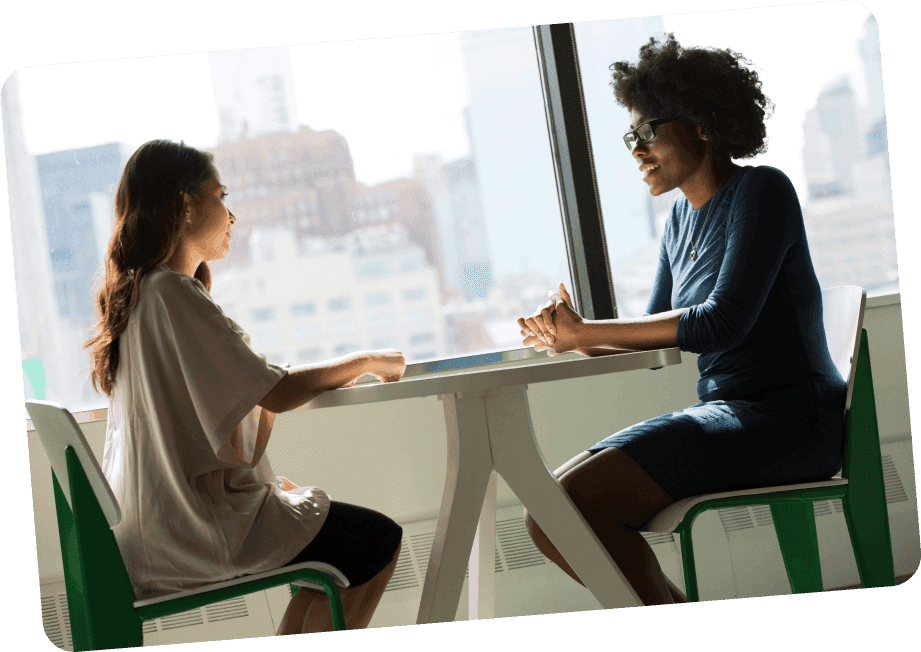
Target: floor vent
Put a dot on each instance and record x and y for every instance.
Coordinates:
(516, 545)
(735, 519)
(404, 575)
(184, 619)
(55, 629)
(227, 610)
(822, 508)
(657, 538)
(763, 515)
(895, 492)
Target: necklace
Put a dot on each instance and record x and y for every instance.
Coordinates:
(712, 201)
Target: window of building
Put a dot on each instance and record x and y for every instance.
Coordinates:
(339, 304)
(422, 338)
(263, 314)
(313, 354)
(415, 294)
(304, 309)
(377, 299)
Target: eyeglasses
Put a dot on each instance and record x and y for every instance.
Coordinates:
(645, 132)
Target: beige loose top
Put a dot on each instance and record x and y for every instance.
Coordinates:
(198, 503)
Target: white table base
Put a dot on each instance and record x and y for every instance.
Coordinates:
(490, 431)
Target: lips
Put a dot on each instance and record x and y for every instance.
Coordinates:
(648, 170)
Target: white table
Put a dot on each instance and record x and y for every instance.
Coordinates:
(489, 430)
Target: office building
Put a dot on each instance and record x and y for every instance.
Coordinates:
(253, 92)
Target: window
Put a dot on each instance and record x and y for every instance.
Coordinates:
(448, 229)
(342, 349)
(339, 304)
(306, 331)
(314, 354)
(377, 300)
(422, 338)
(819, 128)
(305, 309)
(415, 294)
(384, 343)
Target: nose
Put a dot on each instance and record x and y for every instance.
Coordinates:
(233, 218)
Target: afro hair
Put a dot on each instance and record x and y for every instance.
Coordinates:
(700, 86)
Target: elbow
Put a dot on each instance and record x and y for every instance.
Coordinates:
(278, 399)
(711, 332)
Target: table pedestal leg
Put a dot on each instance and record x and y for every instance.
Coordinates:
(517, 458)
(482, 585)
(469, 466)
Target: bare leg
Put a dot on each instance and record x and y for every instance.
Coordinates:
(309, 610)
(615, 496)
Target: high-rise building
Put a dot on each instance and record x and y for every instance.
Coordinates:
(457, 205)
(871, 55)
(78, 192)
(304, 181)
(312, 299)
(253, 92)
(831, 141)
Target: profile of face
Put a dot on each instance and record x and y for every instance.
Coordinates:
(672, 157)
(208, 222)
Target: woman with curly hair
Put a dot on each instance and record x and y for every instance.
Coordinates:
(735, 284)
(191, 408)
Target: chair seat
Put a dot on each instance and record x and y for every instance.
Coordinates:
(332, 571)
(670, 518)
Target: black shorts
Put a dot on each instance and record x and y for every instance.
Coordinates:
(358, 541)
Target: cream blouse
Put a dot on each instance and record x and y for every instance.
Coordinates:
(199, 503)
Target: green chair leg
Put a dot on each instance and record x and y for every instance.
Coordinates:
(687, 561)
(865, 509)
(868, 525)
(799, 545)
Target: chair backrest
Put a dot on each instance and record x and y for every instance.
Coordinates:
(57, 429)
(842, 311)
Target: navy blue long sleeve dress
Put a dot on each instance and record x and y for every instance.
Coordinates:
(771, 407)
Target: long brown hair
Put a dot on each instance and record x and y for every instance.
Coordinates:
(148, 217)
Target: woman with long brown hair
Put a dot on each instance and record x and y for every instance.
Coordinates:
(191, 408)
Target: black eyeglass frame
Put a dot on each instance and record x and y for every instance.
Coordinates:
(652, 124)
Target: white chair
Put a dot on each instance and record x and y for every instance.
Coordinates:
(101, 603)
(860, 486)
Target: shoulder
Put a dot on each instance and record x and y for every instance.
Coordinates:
(164, 288)
(766, 178)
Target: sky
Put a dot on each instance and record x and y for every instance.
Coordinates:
(403, 96)
(394, 97)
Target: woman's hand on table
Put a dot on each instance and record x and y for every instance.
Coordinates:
(387, 365)
(555, 326)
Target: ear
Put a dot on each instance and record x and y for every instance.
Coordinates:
(701, 134)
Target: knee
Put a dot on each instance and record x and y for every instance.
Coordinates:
(537, 535)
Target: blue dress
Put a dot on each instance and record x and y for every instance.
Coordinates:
(771, 407)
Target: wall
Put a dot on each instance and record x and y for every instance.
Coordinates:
(391, 456)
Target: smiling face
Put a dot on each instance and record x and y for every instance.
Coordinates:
(209, 222)
(672, 159)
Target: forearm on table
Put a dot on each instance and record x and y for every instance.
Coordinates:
(641, 333)
(306, 382)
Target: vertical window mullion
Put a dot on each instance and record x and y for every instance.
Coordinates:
(580, 205)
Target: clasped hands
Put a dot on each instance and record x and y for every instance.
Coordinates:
(555, 326)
